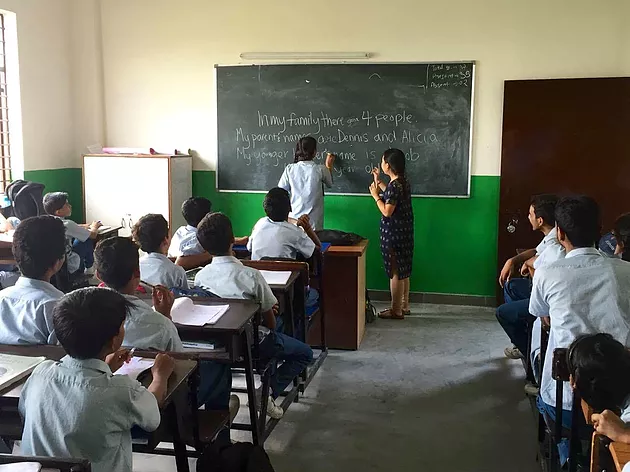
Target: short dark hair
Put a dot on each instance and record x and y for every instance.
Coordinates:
(579, 218)
(305, 149)
(545, 207)
(622, 235)
(194, 209)
(87, 319)
(150, 231)
(38, 244)
(600, 367)
(54, 201)
(215, 234)
(277, 204)
(115, 260)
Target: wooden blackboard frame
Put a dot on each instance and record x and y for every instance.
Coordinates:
(287, 63)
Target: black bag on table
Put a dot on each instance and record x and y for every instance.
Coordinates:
(238, 457)
(338, 238)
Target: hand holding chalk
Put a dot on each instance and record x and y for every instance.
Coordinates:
(330, 160)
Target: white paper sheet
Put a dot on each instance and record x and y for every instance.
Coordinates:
(135, 367)
(276, 277)
(185, 312)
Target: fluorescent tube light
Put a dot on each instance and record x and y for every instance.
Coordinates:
(248, 56)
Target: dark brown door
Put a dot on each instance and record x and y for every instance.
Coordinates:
(565, 136)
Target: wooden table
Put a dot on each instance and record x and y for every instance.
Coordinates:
(108, 233)
(344, 296)
(11, 424)
(236, 335)
(620, 453)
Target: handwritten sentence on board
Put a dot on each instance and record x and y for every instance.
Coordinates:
(323, 120)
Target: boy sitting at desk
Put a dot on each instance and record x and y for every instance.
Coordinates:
(227, 277)
(185, 245)
(117, 265)
(152, 234)
(273, 236)
(26, 309)
(79, 238)
(76, 407)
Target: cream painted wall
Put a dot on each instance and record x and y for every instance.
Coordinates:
(43, 31)
(159, 54)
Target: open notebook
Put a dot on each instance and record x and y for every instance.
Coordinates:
(135, 367)
(14, 368)
(185, 312)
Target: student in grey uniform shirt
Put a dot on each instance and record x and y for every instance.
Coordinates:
(76, 407)
(26, 309)
(152, 234)
(305, 181)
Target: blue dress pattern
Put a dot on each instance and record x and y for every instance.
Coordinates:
(397, 230)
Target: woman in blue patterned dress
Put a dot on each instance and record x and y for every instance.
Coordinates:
(394, 202)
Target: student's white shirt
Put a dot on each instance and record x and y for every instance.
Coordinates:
(157, 269)
(184, 242)
(145, 328)
(26, 312)
(74, 231)
(584, 293)
(227, 277)
(77, 408)
(305, 182)
(548, 251)
(279, 239)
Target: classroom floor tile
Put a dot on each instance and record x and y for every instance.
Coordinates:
(432, 392)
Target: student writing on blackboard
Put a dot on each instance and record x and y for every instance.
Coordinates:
(394, 202)
(305, 180)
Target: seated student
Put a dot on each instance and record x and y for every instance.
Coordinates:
(599, 368)
(514, 315)
(584, 293)
(184, 246)
(227, 277)
(274, 236)
(118, 266)
(151, 233)
(76, 407)
(80, 244)
(622, 237)
(26, 309)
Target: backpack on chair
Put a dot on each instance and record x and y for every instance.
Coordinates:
(237, 457)
(27, 198)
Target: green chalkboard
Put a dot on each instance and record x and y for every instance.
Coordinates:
(356, 111)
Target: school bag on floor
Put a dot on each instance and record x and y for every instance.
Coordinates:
(27, 198)
(237, 457)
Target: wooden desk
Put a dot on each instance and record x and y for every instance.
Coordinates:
(620, 453)
(11, 424)
(344, 297)
(109, 233)
(235, 332)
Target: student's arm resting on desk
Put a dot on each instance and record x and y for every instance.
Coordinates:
(242, 241)
(161, 371)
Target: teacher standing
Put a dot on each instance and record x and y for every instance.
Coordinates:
(394, 202)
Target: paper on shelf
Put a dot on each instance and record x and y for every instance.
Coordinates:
(14, 368)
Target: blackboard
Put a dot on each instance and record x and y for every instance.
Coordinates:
(356, 111)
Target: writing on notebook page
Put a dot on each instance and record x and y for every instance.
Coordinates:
(135, 367)
(185, 312)
(276, 277)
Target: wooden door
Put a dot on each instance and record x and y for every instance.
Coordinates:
(564, 136)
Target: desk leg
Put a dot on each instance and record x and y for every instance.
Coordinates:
(181, 458)
(251, 387)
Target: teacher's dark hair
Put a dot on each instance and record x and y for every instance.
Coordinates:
(305, 149)
(396, 160)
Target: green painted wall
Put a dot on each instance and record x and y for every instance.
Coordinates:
(456, 239)
(62, 180)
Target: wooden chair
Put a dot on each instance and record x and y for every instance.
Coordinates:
(63, 465)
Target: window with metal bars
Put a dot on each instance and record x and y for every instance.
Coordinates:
(5, 149)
